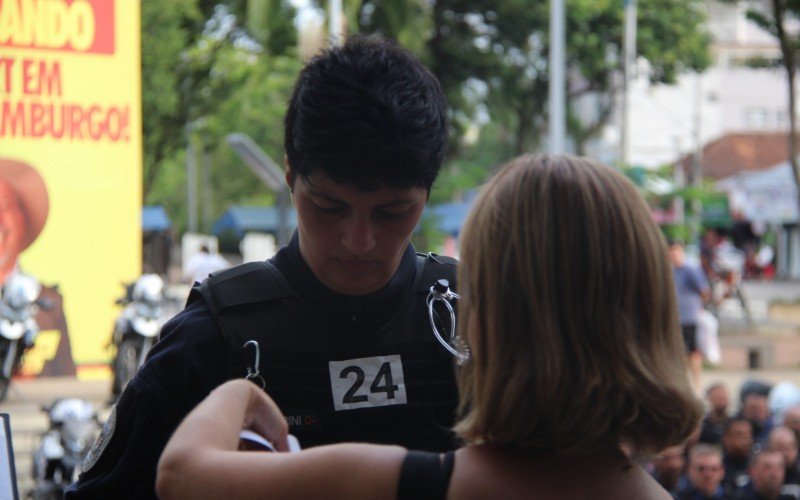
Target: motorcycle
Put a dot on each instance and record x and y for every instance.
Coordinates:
(136, 328)
(73, 426)
(19, 303)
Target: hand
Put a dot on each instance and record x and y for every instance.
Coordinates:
(261, 414)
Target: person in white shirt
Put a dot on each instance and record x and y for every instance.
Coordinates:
(203, 263)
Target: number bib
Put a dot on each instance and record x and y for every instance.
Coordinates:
(367, 382)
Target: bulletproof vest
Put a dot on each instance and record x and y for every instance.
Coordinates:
(395, 385)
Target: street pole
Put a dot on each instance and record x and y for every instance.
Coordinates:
(335, 22)
(191, 181)
(697, 158)
(206, 190)
(557, 104)
(628, 65)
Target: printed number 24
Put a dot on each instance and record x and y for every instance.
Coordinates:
(385, 373)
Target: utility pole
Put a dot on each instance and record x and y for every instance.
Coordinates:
(191, 179)
(557, 104)
(628, 65)
(697, 157)
(335, 31)
(206, 190)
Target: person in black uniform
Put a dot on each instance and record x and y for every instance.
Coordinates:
(336, 325)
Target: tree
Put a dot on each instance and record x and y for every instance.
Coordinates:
(207, 73)
(167, 30)
(774, 20)
(406, 21)
(505, 44)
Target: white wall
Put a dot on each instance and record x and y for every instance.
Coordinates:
(667, 121)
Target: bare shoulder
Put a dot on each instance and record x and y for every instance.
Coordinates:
(490, 473)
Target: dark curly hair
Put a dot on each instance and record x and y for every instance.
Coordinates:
(367, 113)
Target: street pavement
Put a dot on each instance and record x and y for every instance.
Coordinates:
(28, 421)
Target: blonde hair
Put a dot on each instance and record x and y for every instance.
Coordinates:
(571, 315)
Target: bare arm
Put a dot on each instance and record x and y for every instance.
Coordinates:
(201, 461)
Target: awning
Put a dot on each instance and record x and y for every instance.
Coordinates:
(155, 219)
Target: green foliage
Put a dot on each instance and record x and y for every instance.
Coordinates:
(167, 29)
(428, 238)
(205, 75)
(657, 187)
(256, 108)
(677, 232)
(672, 37)
(407, 21)
(212, 67)
(504, 44)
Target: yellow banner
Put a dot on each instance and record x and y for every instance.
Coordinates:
(70, 151)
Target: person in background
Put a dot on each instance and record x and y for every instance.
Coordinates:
(755, 408)
(668, 468)
(692, 290)
(791, 419)
(705, 473)
(783, 440)
(737, 446)
(708, 253)
(766, 478)
(550, 336)
(717, 416)
(203, 263)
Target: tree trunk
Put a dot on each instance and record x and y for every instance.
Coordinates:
(522, 131)
(790, 64)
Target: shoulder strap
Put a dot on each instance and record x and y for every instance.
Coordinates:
(246, 284)
(425, 476)
(432, 267)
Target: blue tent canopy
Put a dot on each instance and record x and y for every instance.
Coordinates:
(240, 220)
(155, 219)
(448, 217)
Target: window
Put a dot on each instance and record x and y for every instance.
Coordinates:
(756, 118)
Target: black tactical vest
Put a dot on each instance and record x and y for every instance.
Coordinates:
(395, 385)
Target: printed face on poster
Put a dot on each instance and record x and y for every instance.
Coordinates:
(70, 167)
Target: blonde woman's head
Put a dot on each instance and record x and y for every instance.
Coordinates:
(570, 314)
